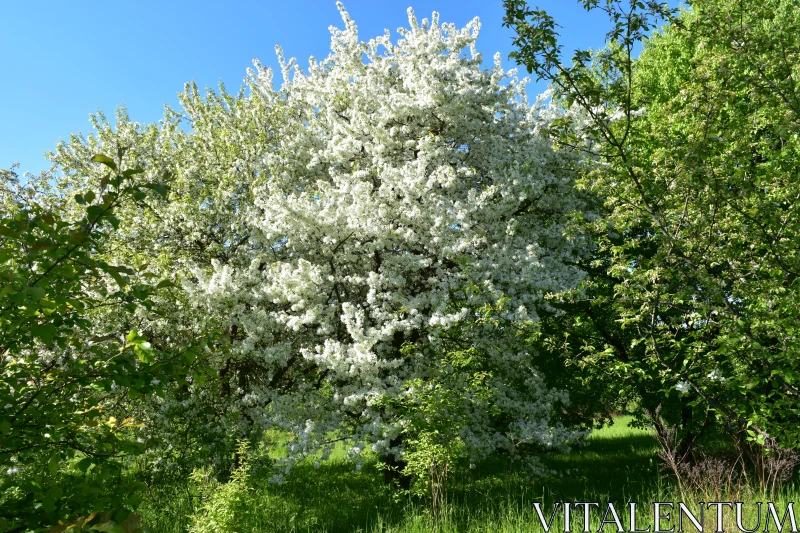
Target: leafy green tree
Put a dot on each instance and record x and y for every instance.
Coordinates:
(693, 290)
(66, 391)
(213, 146)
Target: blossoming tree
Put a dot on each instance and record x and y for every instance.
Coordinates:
(396, 219)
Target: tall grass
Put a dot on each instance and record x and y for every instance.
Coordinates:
(618, 464)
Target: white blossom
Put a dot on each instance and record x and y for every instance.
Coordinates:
(381, 198)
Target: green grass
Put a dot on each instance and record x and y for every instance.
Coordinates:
(617, 464)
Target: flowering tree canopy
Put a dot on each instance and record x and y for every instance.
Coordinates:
(392, 206)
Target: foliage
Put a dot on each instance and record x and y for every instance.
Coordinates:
(693, 288)
(439, 408)
(65, 387)
(224, 506)
(212, 147)
(384, 197)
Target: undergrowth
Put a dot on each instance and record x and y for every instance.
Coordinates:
(618, 464)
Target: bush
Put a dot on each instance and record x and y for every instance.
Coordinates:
(67, 393)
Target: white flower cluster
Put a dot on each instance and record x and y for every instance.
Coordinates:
(406, 175)
(387, 196)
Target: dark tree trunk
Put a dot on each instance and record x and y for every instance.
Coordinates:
(686, 445)
(394, 474)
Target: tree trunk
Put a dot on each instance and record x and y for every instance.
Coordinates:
(394, 472)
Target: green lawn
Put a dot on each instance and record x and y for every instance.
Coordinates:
(617, 464)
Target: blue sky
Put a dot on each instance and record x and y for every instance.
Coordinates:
(62, 61)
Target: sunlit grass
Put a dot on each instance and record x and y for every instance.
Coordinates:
(616, 464)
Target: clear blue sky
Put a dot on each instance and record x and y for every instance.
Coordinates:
(61, 61)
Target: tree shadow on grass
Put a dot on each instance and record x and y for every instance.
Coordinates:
(332, 497)
(615, 468)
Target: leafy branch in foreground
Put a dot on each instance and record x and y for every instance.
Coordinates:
(64, 393)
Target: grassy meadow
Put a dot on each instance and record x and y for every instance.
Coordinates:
(617, 464)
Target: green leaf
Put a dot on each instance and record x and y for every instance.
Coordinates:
(105, 160)
(53, 464)
(84, 464)
(144, 352)
(48, 504)
(158, 188)
(37, 293)
(94, 211)
(121, 268)
(131, 172)
(55, 492)
(121, 280)
(46, 303)
(45, 332)
(89, 196)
